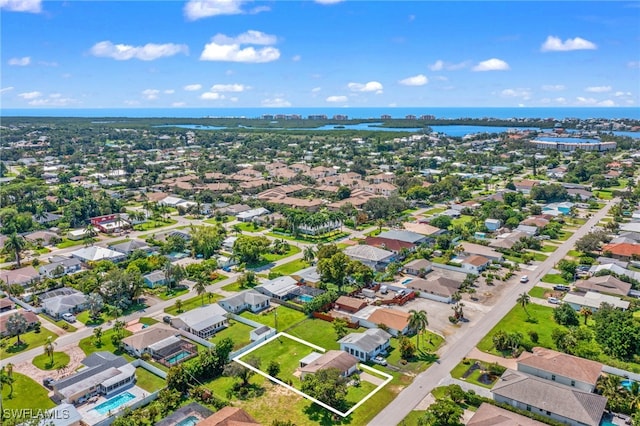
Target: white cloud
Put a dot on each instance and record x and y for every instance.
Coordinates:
(440, 65)
(276, 103)
(553, 87)
(296, 58)
(560, 100)
(131, 102)
(337, 99)
(555, 44)
(53, 101)
(192, 87)
(229, 88)
(169, 92)
(6, 89)
(619, 93)
(328, 1)
(371, 86)
(178, 104)
(492, 64)
(607, 103)
(585, 101)
(30, 95)
(31, 6)
(633, 64)
(211, 96)
(598, 89)
(20, 62)
(197, 9)
(151, 94)
(148, 52)
(224, 48)
(416, 80)
(234, 99)
(523, 93)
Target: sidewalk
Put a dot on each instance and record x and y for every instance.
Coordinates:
(476, 353)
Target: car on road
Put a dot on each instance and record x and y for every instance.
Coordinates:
(69, 317)
(554, 300)
(379, 360)
(524, 279)
(48, 382)
(561, 287)
(166, 319)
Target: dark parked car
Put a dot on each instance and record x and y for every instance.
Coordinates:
(48, 382)
(166, 319)
(561, 287)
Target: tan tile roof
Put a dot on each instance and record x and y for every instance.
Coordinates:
(490, 415)
(476, 260)
(562, 364)
(229, 416)
(331, 359)
(351, 303)
(392, 318)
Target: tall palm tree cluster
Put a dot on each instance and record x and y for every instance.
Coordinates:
(302, 222)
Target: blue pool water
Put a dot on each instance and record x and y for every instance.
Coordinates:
(626, 383)
(407, 281)
(115, 402)
(177, 357)
(188, 421)
(305, 298)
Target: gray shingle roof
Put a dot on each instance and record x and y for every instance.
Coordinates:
(367, 341)
(406, 236)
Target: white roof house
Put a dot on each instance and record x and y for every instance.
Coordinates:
(171, 201)
(95, 253)
(204, 321)
(249, 215)
(593, 300)
(369, 255)
(279, 288)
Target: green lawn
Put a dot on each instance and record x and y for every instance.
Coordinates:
(574, 253)
(27, 394)
(168, 295)
(66, 243)
(318, 332)
(234, 287)
(60, 323)
(224, 219)
(237, 331)
(412, 418)
(539, 257)
(554, 279)
(325, 238)
(461, 220)
(83, 317)
(424, 357)
(462, 368)
(435, 210)
(548, 248)
(248, 227)
(290, 267)
(539, 292)
(287, 317)
(194, 302)
(272, 257)
(516, 320)
(148, 321)
(43, 361)
(149, 381)
(564, 235)
(604, 195)
(28, 341)
(89, 344)
(287, 353)
(154, 224)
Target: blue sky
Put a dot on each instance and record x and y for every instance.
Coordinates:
(232, 53)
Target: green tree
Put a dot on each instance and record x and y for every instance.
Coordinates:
(201, 288)
(6, 378)
(16, 244)
(327, 386)
(97, 334)
(442, 222)
(16, 325)
(419, 322)
(95, 304)
(340, 327)
(566, 315)
(523, 300)
(586, 313)
(49, 348)
(309, 254)
(273, 369)
(443, 412)
(249, 249)
(178, 305)
(407, 348)
(241, 372)
(334, 269)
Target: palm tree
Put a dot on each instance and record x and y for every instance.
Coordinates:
(610, 386)
(17, 325)
(178, 305)
(309, 254)
(418, 321)
(16, 244)
(523, 300)
(118, 328)
(97, 333)
(6, 378)
(200, 288)
(380, 223)
(48, 348)
(90, 235)
(586, 313)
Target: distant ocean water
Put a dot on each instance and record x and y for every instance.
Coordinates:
(438, 112)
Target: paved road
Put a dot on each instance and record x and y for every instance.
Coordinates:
(452, 354)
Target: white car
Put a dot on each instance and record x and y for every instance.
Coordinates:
(524, 279)
(69, 317)
(554, 300)
(379, 360)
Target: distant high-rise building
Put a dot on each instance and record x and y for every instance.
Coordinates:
(385, 117)
(318, 117)
(340, 117)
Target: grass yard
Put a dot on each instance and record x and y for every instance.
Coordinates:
(287, 317)
(60, 323)
(237, 331)
(538, 292)
(575, 253)
(89, 346)
(168, 295)
(248, 227)
(434, 210)
(28, 341)
(154, 224)
(325, 238)
(148, 321)
(287, 353)
(290, 267)
(84, 318)
(425, 353)
(43, 361)
(604, 195)
(66, 243)
(27, 394)
(223, 219)
(539, 257)
(194, 302)
(319, 333)
(464, 366)
(412, 418)
(548, 248)
(516, 320)
(461, 220)
(272, 257)
(554, 279)
(234, 287)
(149, 381)
(564, 235)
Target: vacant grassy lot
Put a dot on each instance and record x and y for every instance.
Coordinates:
(192, 303)
(548, 248)
(424, 357)
(43, 361)
(554, 279)
(66, 243)
(434, 210)
(286, 317)
(89, 344)
(27, 394)
(464, 366)
(149, 381)
(28, 341)
(154, 224)
(237, 331)
(290, 267)
(287, 353)
(84, 317)
(167, 295)
(319, 333)
(272, 257)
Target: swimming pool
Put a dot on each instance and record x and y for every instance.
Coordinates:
(626, 383)
(188, 421)
(406, 281)
(305, 298)
(177, 357)
(115, 402)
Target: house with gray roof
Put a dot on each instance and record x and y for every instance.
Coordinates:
(373, 257)
(404, 236)
(563, 403)
(593, 301)
(250, 299)
(435, 287)
(104, 374)
(24, 276)
(130, 246)
(204, 321)
(155, 279)
(96, 253)
(491, 415)
(65, 303)
(60, 267)
(282, 288)
(367, 345)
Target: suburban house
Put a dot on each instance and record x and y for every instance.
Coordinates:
(350, 304)
(32, 320)
(492, 224)
(607, 284)
(394, 246)
(62, 415)
(565, 404)
(525, 186)
(492, 415)
(104, 374)
(373, 257)
(72, 302)
(204, 321)
(429, 231)
(307, 276)
(45, 238)
(249, 215)
(229, 416)
(314, 362)
(247, 300)
(593, 300)
(155, 279)
(418, 267)
(396, 322)
(404, 236)
(24, 276)
(475, 263)
(562, 368)
(282, 288)
(489, 253)
(96, 253)
(138, 343)
(60, 266)
(162, 343)
(435, 287)
(367, 345)
(130, 246)
(6, 304)
(110, 223)
(624, 251)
